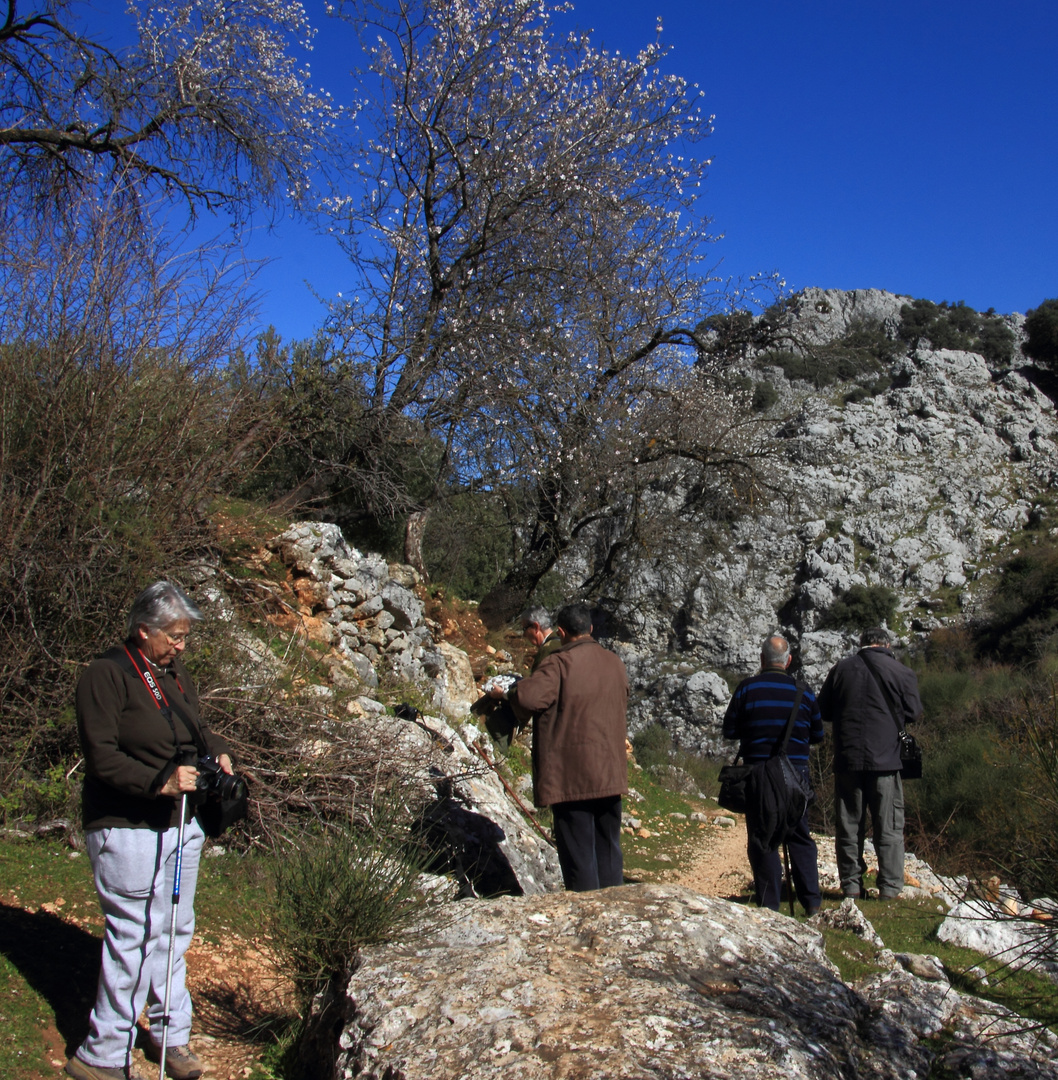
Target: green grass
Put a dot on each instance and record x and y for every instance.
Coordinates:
(669, 836)
(910, 926)
(50, 934)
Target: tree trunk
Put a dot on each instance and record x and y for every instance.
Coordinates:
(413, 534)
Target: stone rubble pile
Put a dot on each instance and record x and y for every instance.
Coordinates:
(367, 611)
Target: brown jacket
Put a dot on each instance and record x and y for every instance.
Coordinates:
(578, 695)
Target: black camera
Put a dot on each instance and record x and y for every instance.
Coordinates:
(213, 780)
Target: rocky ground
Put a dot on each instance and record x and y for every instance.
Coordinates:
(237, 988)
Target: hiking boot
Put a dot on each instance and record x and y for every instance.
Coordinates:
(81, 1070)
(181, 1063)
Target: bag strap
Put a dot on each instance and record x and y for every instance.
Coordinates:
(122, 656)
(780, 747)
(885, 693)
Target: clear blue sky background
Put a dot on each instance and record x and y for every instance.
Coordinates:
(907, 145)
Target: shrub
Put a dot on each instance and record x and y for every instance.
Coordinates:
(1032, 851)
(953, 813)
(995, 340)
(653, 746)
(336, 891)
(862, 606)
(764, 396)
(467, 545)
(118, 424)
(1023, 606)
(1041, 334)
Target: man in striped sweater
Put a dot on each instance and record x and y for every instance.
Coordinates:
(757, 716)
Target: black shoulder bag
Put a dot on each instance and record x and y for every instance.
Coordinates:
(910, 751)
(736, 780)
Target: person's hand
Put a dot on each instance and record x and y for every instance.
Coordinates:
(225, 764)
(182, 781)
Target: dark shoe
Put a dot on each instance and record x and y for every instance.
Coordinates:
(180, 1062)
(81, 1070)
(809, 912)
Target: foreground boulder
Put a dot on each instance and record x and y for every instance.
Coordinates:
(650, 981)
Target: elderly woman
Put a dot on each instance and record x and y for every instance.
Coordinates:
(137, 715)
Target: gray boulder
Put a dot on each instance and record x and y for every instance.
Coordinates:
(647, 981)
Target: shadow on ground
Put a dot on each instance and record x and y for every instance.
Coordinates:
(58, 960)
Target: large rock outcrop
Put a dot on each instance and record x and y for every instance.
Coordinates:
(472, 822)
(916, 486)
(654, 981)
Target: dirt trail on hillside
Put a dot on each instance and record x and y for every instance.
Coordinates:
(720, 866)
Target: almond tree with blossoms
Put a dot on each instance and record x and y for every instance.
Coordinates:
(530, 264)
(206, 103)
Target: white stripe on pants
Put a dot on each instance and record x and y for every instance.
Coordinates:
(134, 870)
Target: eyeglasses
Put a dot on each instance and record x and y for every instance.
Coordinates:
(174, 639)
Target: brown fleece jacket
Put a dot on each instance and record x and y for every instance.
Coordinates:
(579, 696)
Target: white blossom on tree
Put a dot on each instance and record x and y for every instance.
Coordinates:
(524, 226)
(208, 104)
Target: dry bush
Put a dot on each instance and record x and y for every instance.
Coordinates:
(116, 424)
(309, 763)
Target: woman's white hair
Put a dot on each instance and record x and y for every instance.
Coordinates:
(159, 606)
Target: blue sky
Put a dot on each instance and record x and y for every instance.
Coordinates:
(907, 146)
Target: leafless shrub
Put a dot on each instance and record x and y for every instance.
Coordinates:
(117, 423)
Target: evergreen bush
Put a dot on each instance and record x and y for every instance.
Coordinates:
(861, 606)
(652, 746)
(1041, 334)
(1023, 606)
(337, 890)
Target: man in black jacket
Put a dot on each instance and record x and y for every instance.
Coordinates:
(868, 697)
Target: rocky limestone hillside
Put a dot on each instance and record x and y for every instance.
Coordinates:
(917, 483)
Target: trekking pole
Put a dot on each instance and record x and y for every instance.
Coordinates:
(177, 867)
(483, 753)
(789, 877)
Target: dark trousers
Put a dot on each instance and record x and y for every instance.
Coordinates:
(768, 871)
(588, 835)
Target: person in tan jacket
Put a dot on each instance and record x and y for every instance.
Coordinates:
(578, 697)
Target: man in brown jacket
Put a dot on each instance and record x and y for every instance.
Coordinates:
(578, 696)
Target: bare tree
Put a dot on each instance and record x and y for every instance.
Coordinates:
(208, 104)
(528, 255)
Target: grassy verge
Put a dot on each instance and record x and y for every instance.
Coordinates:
(50, 933)
(910, 926)
(666, 830)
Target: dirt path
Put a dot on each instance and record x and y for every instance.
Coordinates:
(720, 866)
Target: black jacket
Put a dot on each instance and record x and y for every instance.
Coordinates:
(865, 733)
(130, 747)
